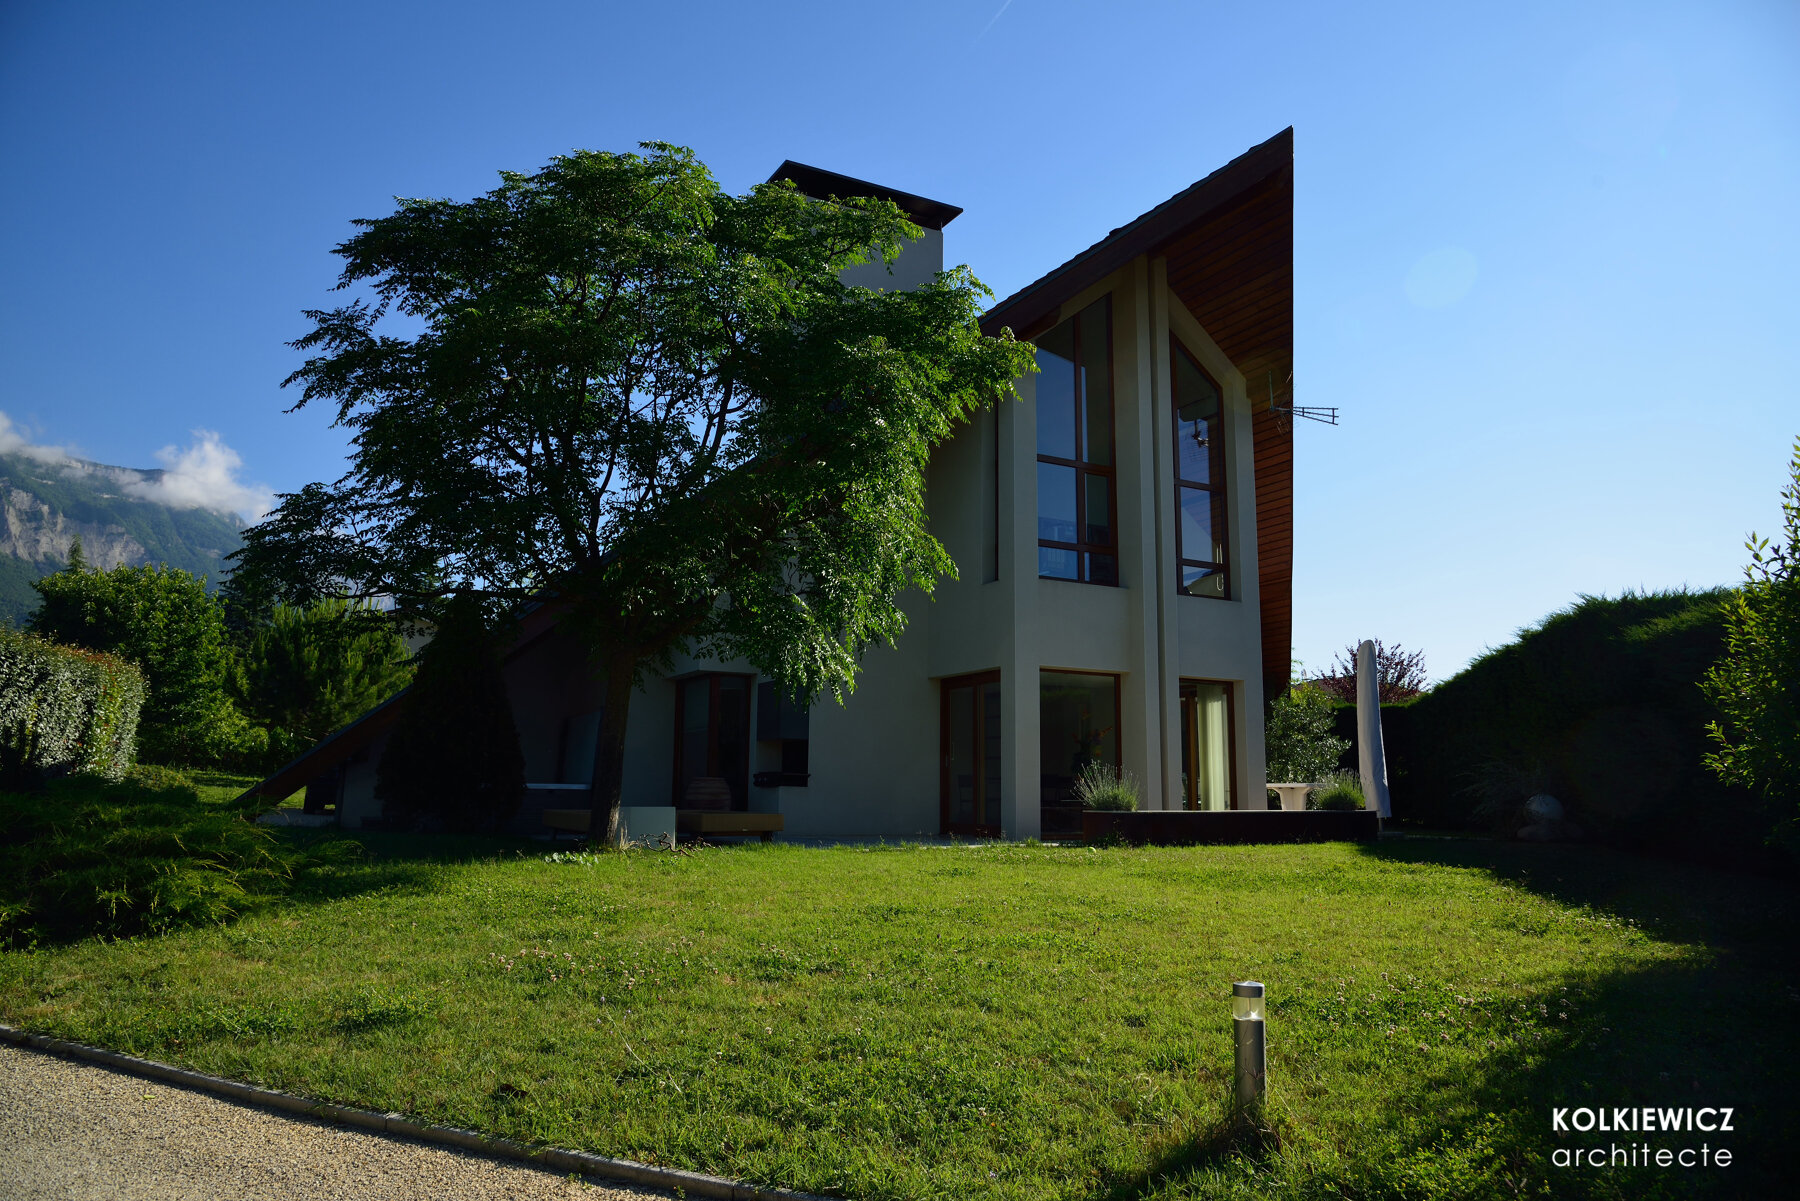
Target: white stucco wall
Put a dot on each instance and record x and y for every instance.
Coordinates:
(874, 761)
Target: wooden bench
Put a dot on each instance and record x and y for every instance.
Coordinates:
(700, 823)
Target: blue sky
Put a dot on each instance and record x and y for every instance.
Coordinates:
(1547, 255)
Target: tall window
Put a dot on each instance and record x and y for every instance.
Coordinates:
(1076, 537)
(1078, 724)
(1199, 479)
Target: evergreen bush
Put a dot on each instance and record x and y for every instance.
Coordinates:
(453, 760)
(86, 856)
(308, 672)
(1601, 706)
(63, 709)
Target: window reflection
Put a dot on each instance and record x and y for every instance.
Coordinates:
(1076, 527)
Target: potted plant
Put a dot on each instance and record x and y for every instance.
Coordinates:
(1106, 788)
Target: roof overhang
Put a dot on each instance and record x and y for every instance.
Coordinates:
(821, 184)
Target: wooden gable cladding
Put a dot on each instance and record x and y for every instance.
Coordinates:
(1234, 270)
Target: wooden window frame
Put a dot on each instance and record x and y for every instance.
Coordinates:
(1216, 489)
(712, 727)
(1081, 547)
(976, 680)
(1118, 679)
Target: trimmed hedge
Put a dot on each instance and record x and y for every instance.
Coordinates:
(64, 709)
(1601, 706)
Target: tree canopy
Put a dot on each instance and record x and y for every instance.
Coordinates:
(612, 386)
(163, 620)
(307, 672)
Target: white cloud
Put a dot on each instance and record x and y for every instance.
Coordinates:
(203, 476)
(12, 442)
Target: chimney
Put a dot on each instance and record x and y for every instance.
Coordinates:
(919, 260)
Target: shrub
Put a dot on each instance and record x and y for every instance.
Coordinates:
(1756, 682)
(453, 760)
(307, 673)
(1301, 745)
(164, 621)
(1601, 704)
(1107, 788)
(1340, 790)
(63, 710)
(86, 856)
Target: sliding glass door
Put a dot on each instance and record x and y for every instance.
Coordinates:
(969, 748)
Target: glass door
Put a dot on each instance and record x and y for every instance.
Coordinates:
(1207, 737)
(712, 742)
(969, 746)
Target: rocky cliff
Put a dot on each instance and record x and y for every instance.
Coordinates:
(47, 503)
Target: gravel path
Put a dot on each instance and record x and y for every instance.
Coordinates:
(75, 1131)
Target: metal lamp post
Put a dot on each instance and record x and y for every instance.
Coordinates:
(1247, 1024)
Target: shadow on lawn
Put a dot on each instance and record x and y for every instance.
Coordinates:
(1714, 1026)
(405, 863)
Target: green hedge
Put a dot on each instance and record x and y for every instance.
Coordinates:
(1600, 705)
(65, 709)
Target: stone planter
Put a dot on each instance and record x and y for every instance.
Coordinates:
(1293, 796)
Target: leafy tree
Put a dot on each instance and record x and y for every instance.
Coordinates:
(453, 758)
(1756, 683)
(625, 392)
(1399, 674)
(310, 671)
(1299, 734)
(163, 620)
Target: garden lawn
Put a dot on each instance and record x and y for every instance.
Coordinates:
(996, 1021)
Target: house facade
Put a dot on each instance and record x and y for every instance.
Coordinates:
(1124, 538)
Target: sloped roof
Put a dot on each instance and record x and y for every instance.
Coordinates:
(821, 184)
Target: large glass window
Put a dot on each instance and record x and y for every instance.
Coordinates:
(1078, 724)
(1077, 539)
(1206, 741)
(1200, 547)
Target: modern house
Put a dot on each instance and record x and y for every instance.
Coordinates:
(1124, 536)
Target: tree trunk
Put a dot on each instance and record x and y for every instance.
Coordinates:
(609, 752)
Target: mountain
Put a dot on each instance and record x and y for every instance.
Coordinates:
(49, 499)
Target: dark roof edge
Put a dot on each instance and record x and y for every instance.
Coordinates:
(1035, 300)
(333, 749)
(821, 184)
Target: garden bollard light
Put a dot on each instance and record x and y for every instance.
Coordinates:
(1247, 1022)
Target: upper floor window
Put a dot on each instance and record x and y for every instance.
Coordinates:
(1200, 549)
(1075, 503)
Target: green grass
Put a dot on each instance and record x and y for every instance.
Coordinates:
(1005, 1021)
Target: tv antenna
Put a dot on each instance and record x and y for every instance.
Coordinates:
(1285, 413)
